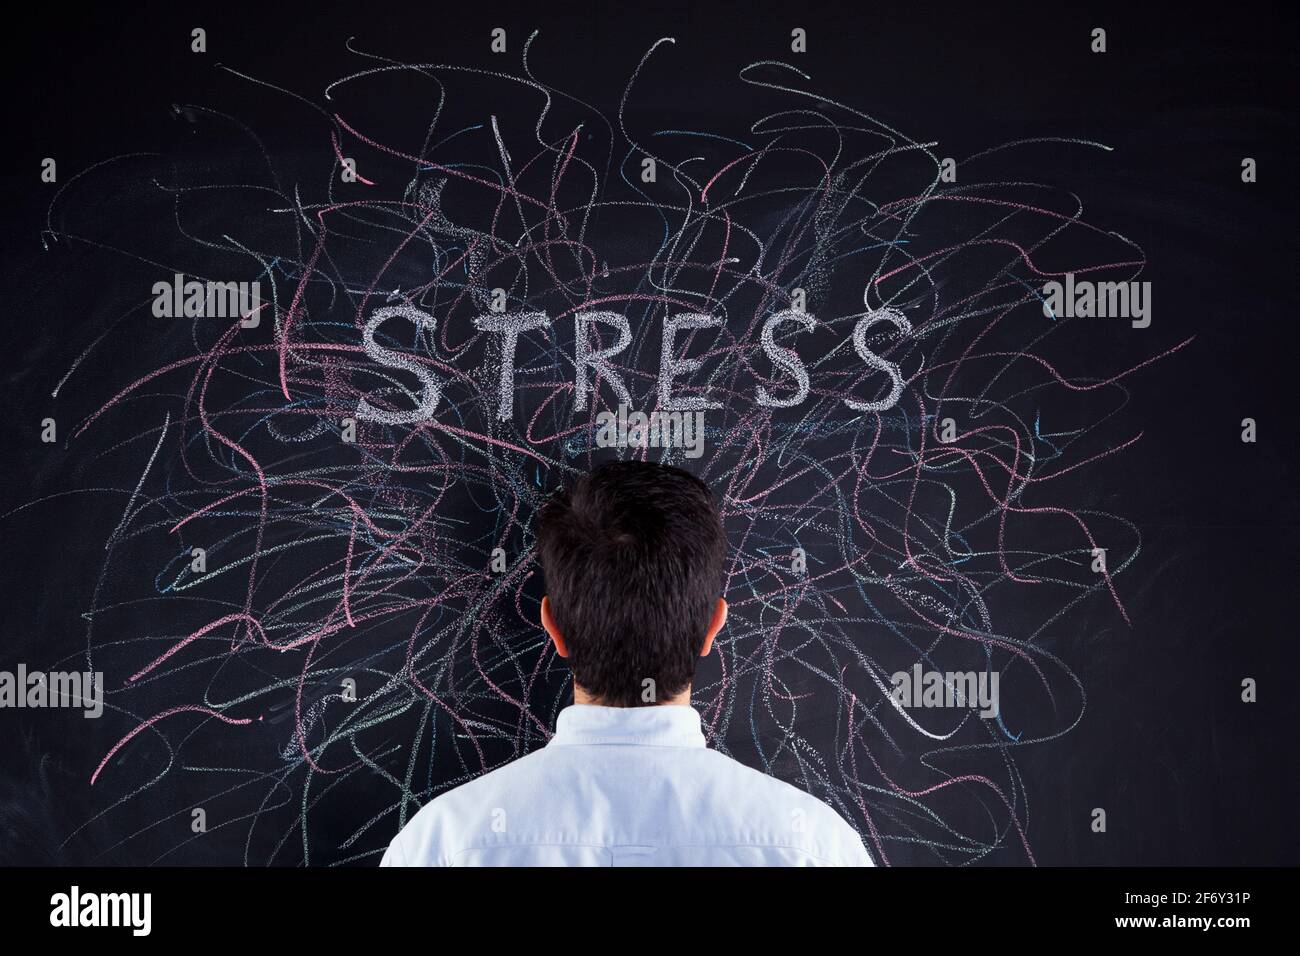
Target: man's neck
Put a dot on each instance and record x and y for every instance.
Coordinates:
(580, 696)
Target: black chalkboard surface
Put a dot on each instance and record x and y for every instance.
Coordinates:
(988, 326)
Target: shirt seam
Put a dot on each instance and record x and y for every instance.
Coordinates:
(609, 848)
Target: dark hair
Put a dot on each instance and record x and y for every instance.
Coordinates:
(634, 560)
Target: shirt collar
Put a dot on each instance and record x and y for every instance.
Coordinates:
(655, 725)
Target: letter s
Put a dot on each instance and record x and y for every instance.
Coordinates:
(787, 359)
(860, 344)
(431, 392)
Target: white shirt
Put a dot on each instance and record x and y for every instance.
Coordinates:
(626, 786)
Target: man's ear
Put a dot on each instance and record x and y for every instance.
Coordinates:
(715, 625)
(548, 625)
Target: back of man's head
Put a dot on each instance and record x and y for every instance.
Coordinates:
(634, 560)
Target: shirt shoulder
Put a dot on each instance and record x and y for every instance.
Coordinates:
(440, 828)
(812, 823)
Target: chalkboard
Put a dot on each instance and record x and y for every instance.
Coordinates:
(988, 325)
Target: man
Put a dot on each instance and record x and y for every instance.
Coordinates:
(634, 563)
